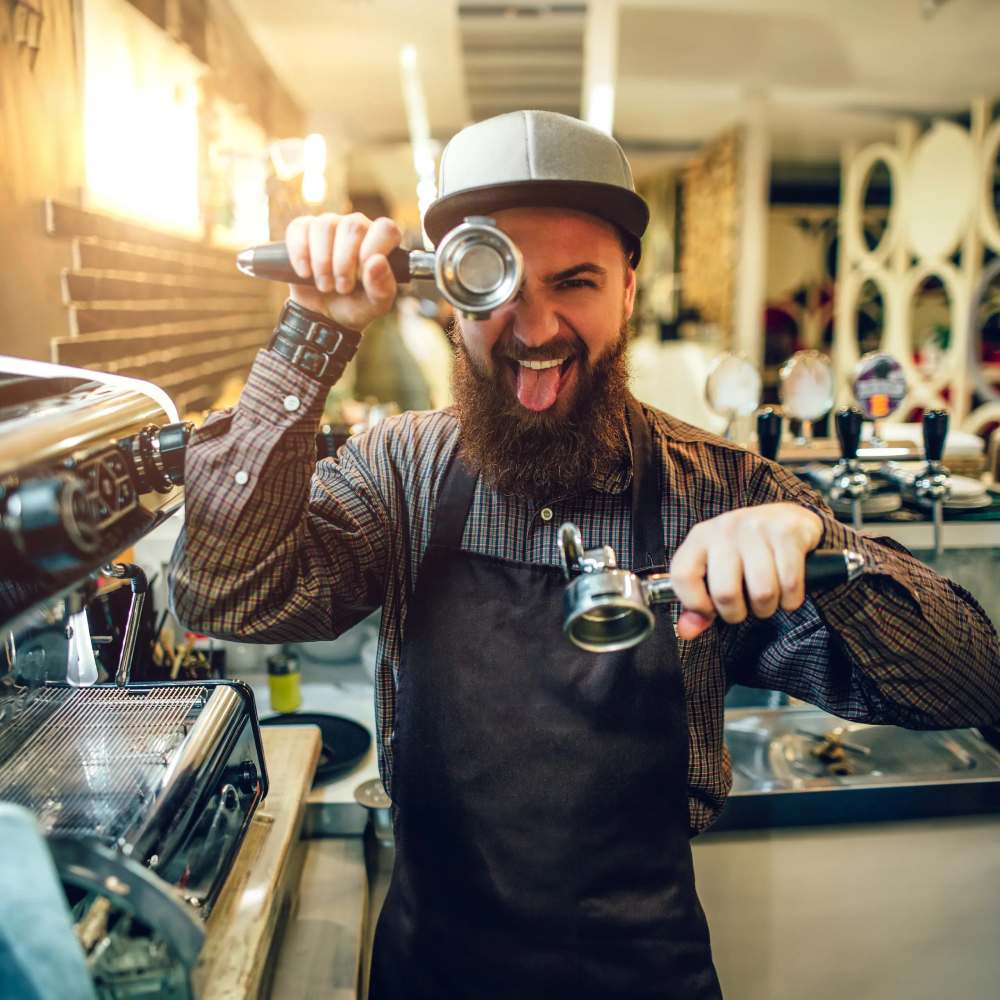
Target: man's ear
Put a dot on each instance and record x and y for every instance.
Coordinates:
(630, 286)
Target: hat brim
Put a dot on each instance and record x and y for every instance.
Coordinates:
(617, 205)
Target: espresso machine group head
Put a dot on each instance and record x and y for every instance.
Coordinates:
(477, 267)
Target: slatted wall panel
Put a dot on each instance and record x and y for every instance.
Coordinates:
(156, 306)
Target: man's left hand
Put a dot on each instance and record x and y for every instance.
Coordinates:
(751, 559)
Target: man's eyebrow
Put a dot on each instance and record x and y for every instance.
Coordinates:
(572, 272)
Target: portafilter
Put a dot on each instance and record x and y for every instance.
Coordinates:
(477, 267)
(607, 608)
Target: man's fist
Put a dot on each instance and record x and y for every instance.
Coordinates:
(754, 555)
(345, 255)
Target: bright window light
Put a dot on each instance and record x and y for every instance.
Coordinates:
(141, 104)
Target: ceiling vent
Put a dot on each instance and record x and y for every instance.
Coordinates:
(522, 55)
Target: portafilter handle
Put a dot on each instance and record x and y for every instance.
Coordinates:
(477, 267)
(270, 261)
(823, 568)
(769, 423)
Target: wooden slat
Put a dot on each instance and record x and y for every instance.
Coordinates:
(191, 373)
(95, 285)
(263, 318)
(93, 252)
(67, 221)
(150, 356)
(88, 317)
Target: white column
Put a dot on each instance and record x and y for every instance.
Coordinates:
(751, 253)
(600, 64)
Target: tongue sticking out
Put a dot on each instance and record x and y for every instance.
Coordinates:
(537, 390)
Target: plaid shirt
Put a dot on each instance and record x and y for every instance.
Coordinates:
(279, 548)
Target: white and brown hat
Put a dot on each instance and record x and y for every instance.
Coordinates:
(536, 159)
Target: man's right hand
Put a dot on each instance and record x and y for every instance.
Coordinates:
(345, 255)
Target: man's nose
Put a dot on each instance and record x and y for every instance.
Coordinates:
(535, 320)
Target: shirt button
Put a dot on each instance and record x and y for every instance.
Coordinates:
(290, 403)
(545, 514)
(242, 478)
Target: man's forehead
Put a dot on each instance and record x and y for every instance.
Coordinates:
(559, 231)
(510, 219)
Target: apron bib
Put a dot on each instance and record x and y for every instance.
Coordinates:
(539, 791)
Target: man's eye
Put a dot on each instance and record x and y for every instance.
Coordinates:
(577, 283)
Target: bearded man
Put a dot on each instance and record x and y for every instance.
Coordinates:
(543, 819)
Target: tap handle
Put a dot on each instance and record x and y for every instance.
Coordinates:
(935, 431)
(849, 421)
(769, 432)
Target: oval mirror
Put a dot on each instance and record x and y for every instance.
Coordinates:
(984, 333)
(930, 324)
(869, 317)
(733, 386)
(806, 386)
(990, 215)
(943, 181)
(877, 195)
(879, 385)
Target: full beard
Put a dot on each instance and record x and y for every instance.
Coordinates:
(543, 454)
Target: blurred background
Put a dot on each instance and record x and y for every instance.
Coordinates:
(822, 174)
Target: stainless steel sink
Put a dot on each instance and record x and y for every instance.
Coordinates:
(798, 749)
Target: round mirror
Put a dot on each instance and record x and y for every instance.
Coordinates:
(942, 190)
(930, 324)
(806, 386)
(869, 317)
(733, 386)
(879, 385)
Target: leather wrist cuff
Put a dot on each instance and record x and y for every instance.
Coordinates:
(312, 342)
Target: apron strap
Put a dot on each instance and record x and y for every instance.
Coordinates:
(455, 497)
(453, 503)
(647, 523)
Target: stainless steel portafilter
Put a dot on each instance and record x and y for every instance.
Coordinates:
(477, 267)
(606, 608)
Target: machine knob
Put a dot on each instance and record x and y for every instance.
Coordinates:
(173, 441)
(51, 522)
(769, 432)
(849, 421)
(935, 424)
(158, 456)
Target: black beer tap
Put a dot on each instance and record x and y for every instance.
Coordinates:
(933, 485)
(769, 423)
(850, 483)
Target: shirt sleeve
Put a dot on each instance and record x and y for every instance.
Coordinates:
(275, 547)
(900, 645)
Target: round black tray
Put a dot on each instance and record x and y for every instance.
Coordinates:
(345, 742)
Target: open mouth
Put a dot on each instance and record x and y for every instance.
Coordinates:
(538, 384)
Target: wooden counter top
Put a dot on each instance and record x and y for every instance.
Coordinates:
(259, 891)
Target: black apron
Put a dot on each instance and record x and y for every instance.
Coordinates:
(539, 791)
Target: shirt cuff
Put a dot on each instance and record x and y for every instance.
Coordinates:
(279, 393)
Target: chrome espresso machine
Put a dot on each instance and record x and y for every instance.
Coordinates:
(131, 799)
